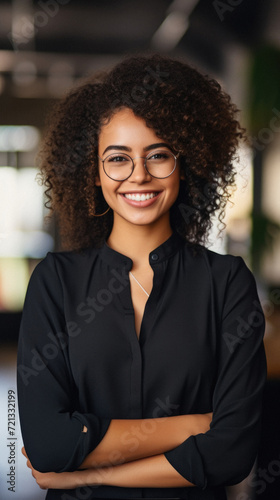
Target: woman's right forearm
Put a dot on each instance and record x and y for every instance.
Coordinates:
(128, 440)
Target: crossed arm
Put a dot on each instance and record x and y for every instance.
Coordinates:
(129, 457)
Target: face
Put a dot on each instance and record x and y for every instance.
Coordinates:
(126, 133)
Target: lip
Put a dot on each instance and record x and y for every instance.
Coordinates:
(136, 191)
(140, 204)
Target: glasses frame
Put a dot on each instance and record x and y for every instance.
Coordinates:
(145, 165)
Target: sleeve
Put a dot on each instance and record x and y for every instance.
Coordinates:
(51, 424)
(225, 454)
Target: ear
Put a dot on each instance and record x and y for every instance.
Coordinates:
(97, 181)
(182, 175)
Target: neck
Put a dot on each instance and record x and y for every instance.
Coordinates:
(137, 241)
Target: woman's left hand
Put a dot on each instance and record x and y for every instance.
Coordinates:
(55, 480)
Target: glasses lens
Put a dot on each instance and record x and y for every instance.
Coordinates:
(160, 164)
(118, 166)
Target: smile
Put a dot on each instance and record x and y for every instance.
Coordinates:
(140, 197)
(141, 200)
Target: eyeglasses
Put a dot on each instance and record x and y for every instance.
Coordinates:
(159, 164)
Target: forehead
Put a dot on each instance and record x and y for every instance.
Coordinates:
(125, 128)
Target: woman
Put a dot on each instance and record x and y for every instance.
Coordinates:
(140, 362)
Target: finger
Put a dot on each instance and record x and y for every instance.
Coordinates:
(24, 452)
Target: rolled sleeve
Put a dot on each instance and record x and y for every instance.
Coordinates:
(51, 423)
(226, 453)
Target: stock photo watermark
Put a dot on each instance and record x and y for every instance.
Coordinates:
(201, 199)
(266, 135)
(27, 27)
(104, 296)
(138, 433)
(58, 341)
(11, 440)
(139, 93)
(261, 478)
(223, 7)
(83, 493)
(245, 327)
(77, 153)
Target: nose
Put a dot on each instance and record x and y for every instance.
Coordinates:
(139, 174)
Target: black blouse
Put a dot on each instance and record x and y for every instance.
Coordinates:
(200, 350)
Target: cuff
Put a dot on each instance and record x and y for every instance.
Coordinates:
(96, 429)
(186, 460)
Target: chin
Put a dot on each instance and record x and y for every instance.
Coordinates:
(140, 220)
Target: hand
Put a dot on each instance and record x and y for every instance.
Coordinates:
(61, 480)
(202, 422)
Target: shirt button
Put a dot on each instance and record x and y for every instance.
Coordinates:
(154, 256)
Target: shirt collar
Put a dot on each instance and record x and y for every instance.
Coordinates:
(159, 254)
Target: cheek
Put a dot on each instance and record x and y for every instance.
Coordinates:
(108, 186)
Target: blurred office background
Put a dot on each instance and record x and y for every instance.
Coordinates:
(46, 46)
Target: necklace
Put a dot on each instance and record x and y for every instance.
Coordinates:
(148, 295)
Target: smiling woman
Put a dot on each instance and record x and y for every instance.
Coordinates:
(155, 386)
(185, 109)
(149, 181)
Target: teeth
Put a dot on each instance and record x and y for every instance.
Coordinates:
(140, 197)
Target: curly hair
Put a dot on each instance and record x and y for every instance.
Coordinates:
(185, 108)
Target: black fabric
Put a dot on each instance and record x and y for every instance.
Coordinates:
(200, 350)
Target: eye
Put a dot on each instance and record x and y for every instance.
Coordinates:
(159, 156)
(117, 158)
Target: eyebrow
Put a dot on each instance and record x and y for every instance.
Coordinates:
(146, 148)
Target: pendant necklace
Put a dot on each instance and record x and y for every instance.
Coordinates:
(148, 295)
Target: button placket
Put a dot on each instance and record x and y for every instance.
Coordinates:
(136, 355)
(151, 305)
